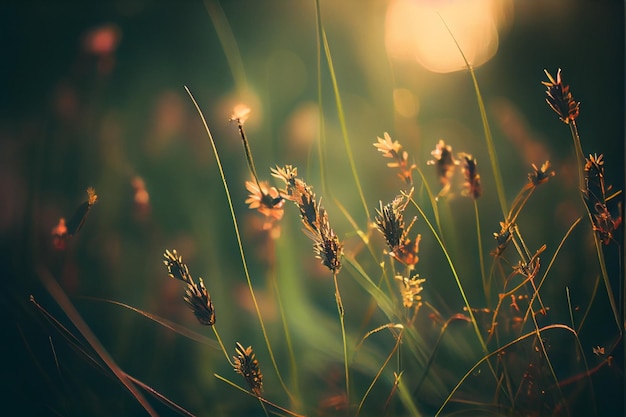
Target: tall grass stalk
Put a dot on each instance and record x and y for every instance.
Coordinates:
(496, 352)
(228, 42)
(598, 246)
(493, 159)
(68, 308)
(240, 245)
(341, 312)
(340, 112)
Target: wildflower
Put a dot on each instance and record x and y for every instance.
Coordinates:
(594, 178)
(531, 268)
(393, 149)
(59, 235)
(411, 288)
(472, 178)
(540, 175)
(444, 162)
(604, 223)
(246, 365)
(502, 238)
(196, 295)
(241, 112)
(76, 222)
(267, 200)
(560, 99)
(326, 244)
(390, 222)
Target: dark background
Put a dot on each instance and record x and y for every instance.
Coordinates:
(71, 118)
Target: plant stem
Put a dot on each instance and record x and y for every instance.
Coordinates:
(239, 243)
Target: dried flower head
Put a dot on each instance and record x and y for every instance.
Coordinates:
(472, 187)
(410, 290)
(59, 235)
(560, 99)
(326, 244)
(76, 222)
(598, 351)
(267, 200)
(530, 268)
(595, 188)
(540, 175)
(390, 222)
(604, 223)
(445, 163)
(196, 295)
(241, 112)
(393, 149)
(199, 300)
(246, 365)
(287, 173)
(502, 238)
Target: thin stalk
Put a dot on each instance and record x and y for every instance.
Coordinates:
(545, 274)
(481, 256)
(228, 42)
(483, 115)
(545, 355)
(581, 182)
(342, 119)
(581, 352)
(593, 296)
(70, 311)
(292, 357)
(580, 156)
(433, 201)
(248, 152)
(431, 359)
(239, 243)
(261, 399)
(219, 340)
(340, 310)
(379, 373)
(456, 278)
(496, 352)
(321, 144)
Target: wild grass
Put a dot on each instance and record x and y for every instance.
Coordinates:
(401, 347)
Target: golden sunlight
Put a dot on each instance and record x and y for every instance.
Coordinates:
(414, 31)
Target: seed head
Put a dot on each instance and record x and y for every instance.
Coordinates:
(540, 175)
(560, 99)
(445, 163)
(196, 295)
(246, 365)
(472, 187)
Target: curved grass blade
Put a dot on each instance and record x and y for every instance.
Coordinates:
(177, 328)
(263, 400)
(68, 308)
(384, 365)
(493, 159)
(495, 352)
(340, 113)
(228, 42)
(239, 243)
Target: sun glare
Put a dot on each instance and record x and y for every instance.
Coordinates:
(414, 31)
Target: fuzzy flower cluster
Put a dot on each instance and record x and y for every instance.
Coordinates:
(314, 217)
(390, 222)
(196, 295)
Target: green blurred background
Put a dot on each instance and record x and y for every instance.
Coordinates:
(92, 94)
